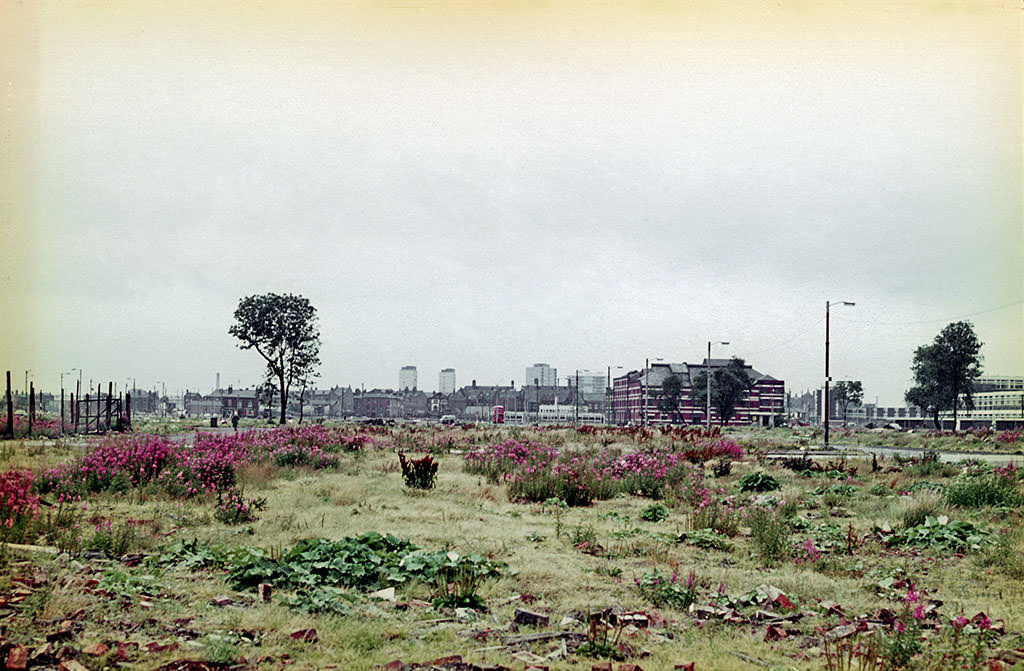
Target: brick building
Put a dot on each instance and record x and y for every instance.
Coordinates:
(635, 396)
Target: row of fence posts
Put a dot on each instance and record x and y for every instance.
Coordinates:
(104, 407)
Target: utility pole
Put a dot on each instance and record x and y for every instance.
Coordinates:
(827, 377)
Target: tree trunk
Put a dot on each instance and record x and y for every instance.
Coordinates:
(938, 425)
(302, 402)
(284, 399)
(956, 405)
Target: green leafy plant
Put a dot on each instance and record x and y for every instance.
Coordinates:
(707, 539)
(322, 599)
(940, 532)
(758, 481)
(456, 578)
(127, 583)
(584, 534)
(233, 508)
(662, 590)
(655, 512)
(192, 554)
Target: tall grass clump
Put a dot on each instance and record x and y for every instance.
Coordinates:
(770, 532)
(924, 505)
(1001, 487)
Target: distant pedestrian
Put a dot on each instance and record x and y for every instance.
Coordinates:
(234, 420)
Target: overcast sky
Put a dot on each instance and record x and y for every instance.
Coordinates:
(486, 185)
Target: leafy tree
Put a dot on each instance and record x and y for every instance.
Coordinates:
(671, 391)
(944, 372)
(846, 394)
(728, 385)
(283, 330)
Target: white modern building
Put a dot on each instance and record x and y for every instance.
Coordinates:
(998, 402)
(541, 374)
(589, 382)
(407, 378)
(446, 381)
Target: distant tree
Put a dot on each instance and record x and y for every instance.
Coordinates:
(728, 384)
(846, 394)
(945, 371)
(283, 330)
(671, 391)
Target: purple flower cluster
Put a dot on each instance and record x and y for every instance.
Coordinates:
(209, 465)
(17, 502)
(41, 426)
(537, 472)
(1010, 436)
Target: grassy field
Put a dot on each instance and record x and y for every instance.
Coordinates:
(732, 562)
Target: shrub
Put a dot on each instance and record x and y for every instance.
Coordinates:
(770, 533)
(418, 473)
(113, 539)
(1003, 555)
(662, 590)
(654, 513)
(759, 481)
(233, 508)
(18, 505)
(721, 516)
(996, 489)
(806, 553)
(1010, 436)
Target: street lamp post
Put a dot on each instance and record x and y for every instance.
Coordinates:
(828, 379)
(576, 412)
(608, 396)
(707, 377)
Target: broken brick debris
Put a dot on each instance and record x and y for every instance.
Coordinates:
(307, 635)
(95, 649)
(17, 658)
(71, 665)
(523, 616)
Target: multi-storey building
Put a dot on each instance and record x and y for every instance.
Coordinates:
(637, 396)
(589, 383)
(378, 403)
(446, 381)
(407, 378)
(541, 374)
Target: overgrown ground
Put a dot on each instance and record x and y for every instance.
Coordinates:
(733, 562)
